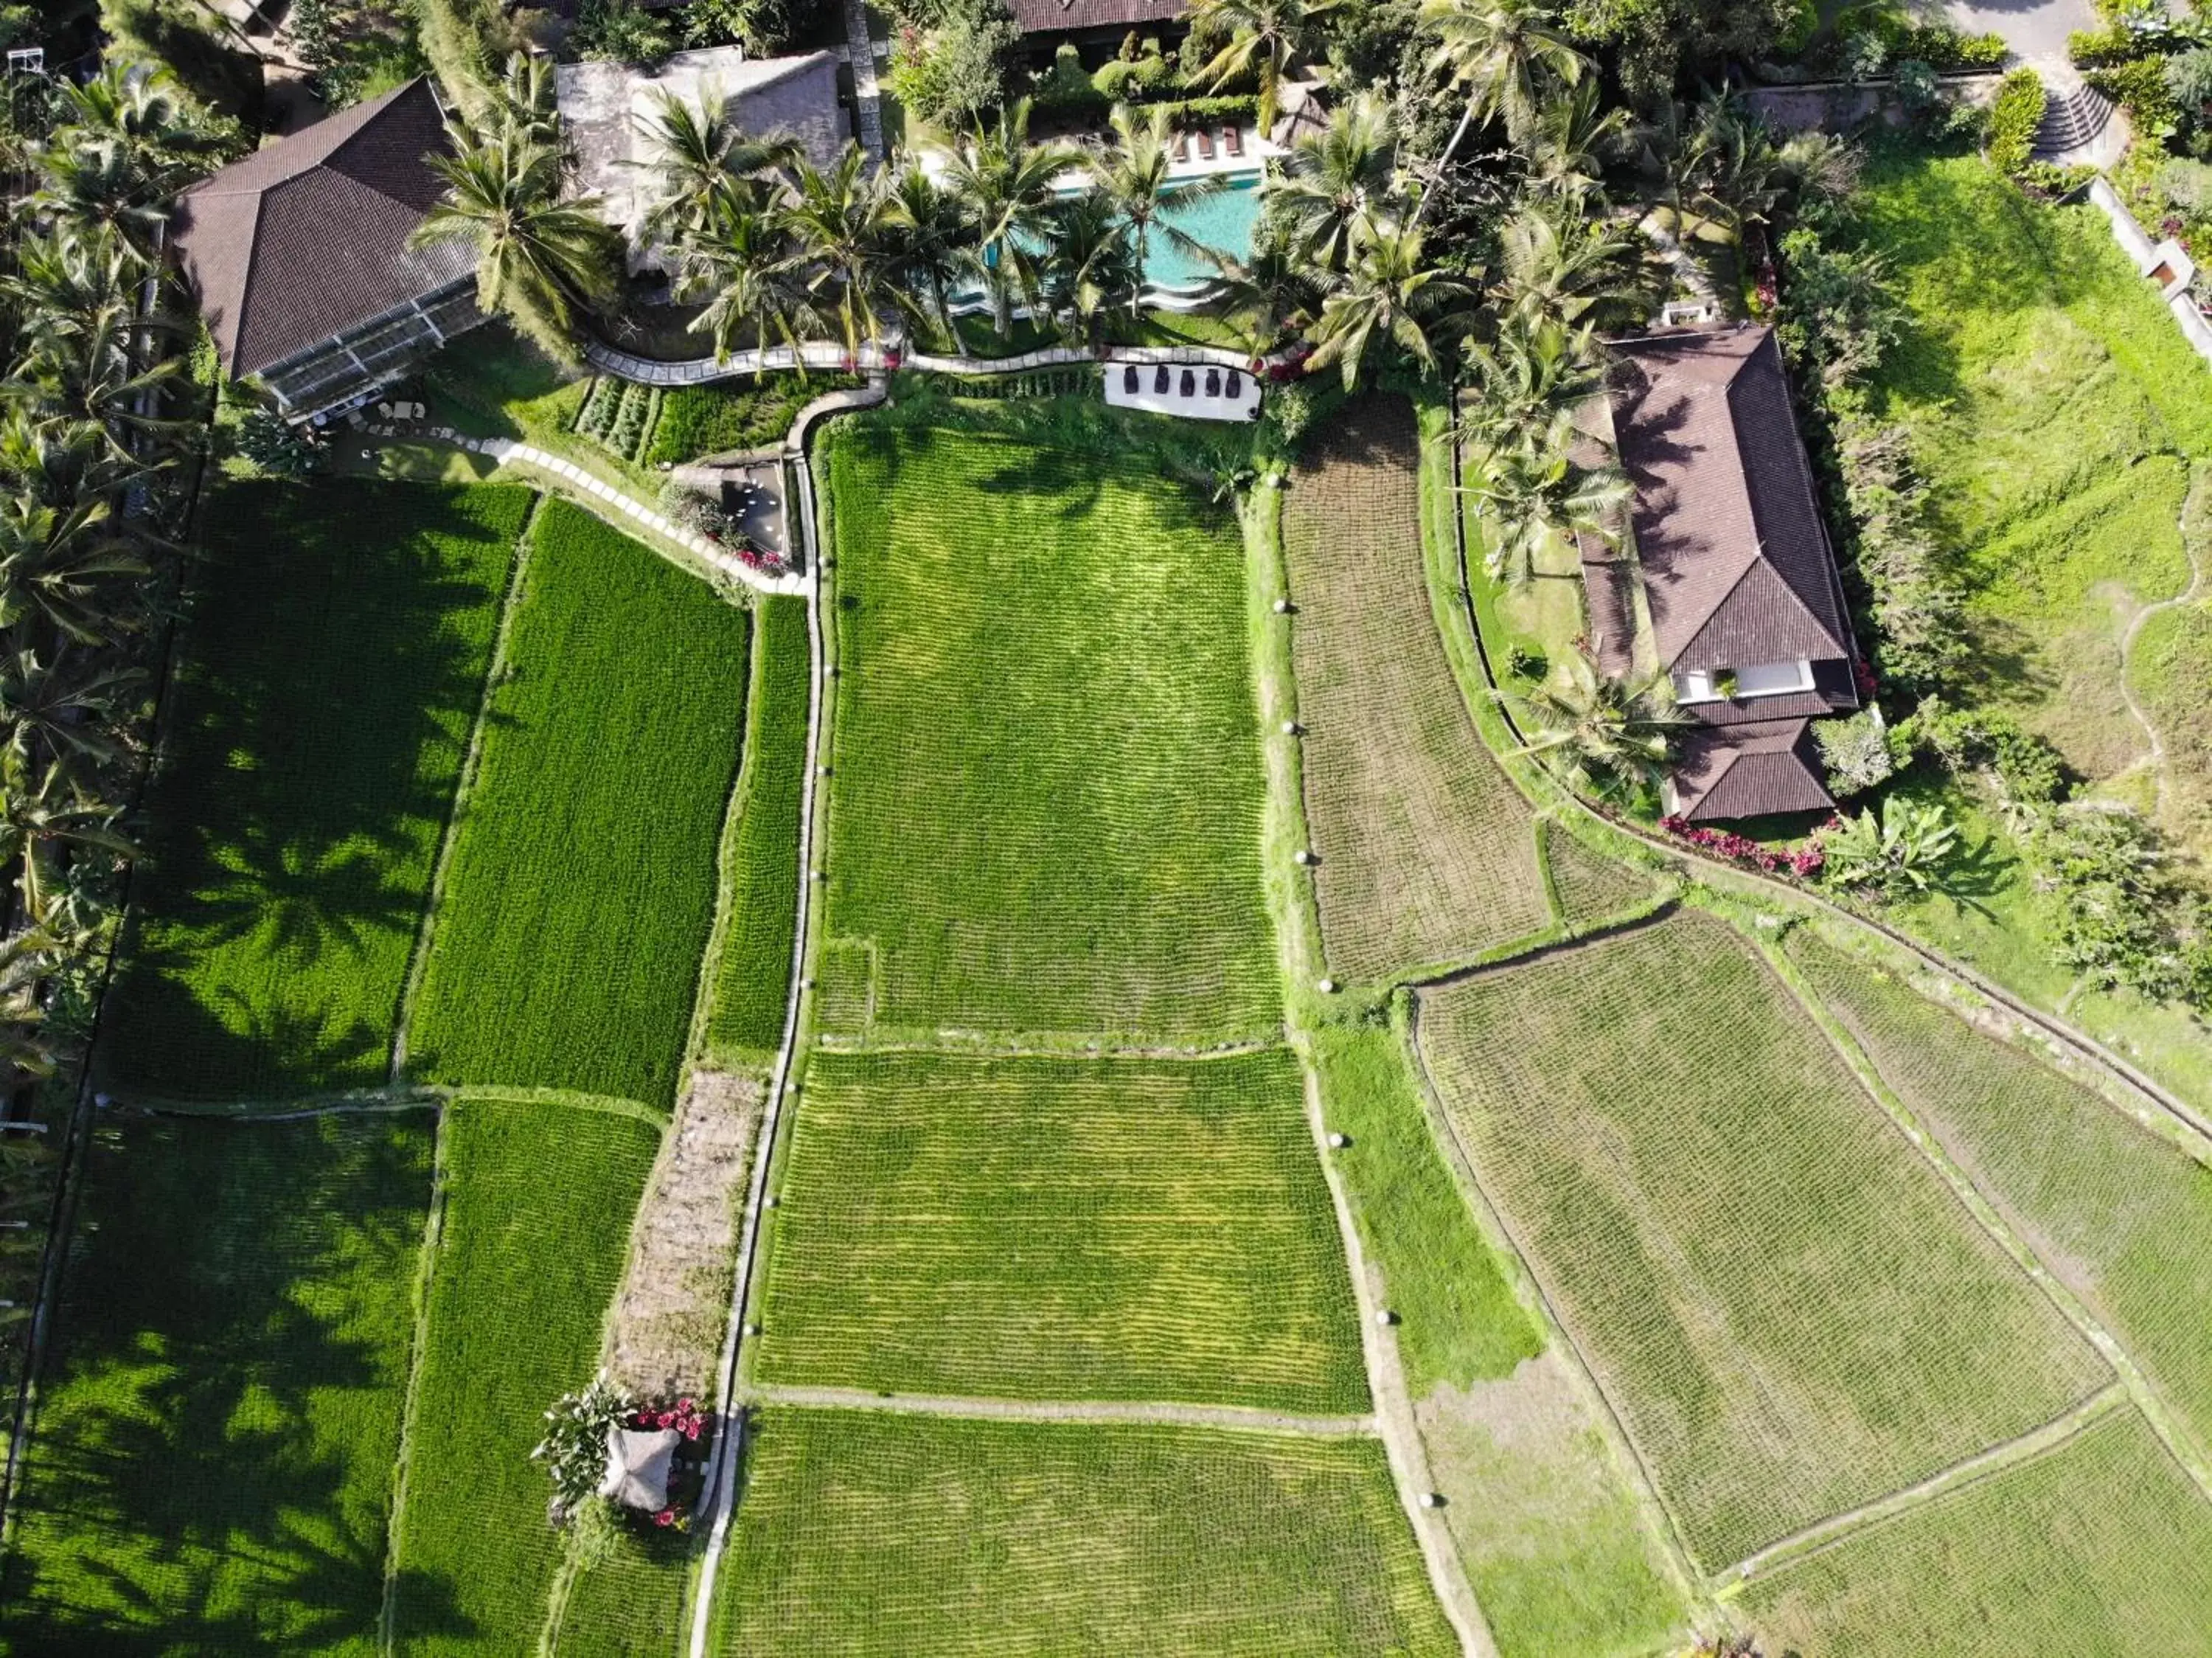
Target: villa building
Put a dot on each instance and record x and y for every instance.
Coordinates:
(1093, 22)
(298, 255)
(1747, 608)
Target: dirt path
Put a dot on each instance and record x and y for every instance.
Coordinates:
(1077, 1410)
(2194, 513)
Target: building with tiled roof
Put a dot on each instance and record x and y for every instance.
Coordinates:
(299, 255)
(1745, 604)
(1084, 16)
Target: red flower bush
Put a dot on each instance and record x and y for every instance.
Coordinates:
(1737, 849)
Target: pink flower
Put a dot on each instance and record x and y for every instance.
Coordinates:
(685, 1404)
(666, 1517)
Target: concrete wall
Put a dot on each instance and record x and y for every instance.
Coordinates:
(1842, 105)
(2135, 241)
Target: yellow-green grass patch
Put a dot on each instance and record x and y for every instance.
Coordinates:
(333, 662)
(1045, 810)
(2099, 1549)
(2167, 672)
(581, 889)
(538, 1201)
(211, 1470)
(862, 1533)
(1064, 1228)
(1591, 888)
(1791, 1311)
(2121, 1216)
(1425, 846)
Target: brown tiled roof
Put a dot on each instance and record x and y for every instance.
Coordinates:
(1750, 771)
(308, 239)
(1728, 531)
(1058, 16)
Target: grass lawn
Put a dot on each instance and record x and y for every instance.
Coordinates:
(580, 891)
(863, 1534)
(332, 667)
(1426, 851)
(538, 1200)
(752, 980)
(2121, 1216)
(1788, 1310)
(754, 413)
(2100, 1546)
(220, 1413)
(1061, 1229)
(1045, 810)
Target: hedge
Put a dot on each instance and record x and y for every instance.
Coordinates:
(2101, 48)
(2014, 119)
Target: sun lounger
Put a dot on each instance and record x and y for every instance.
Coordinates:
(1189, 383)
(1205, 145)
(1232, 140)
(1213, 382)
(1129, 380)
(1236, 385)
(1182, 147)
(1160, 380)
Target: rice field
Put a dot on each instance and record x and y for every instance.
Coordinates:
(219, 1413)
(2100, 1548)
(333, 661)
(1046, 806)
(1788, 1308)
(1071, 1228)
(1591, 888)
(1425, 850)
(752, 980)
(2122, 1216)
(864, 1533)
(581, 888)
(538, 1210)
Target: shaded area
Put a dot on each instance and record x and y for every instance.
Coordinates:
(332, 665)
(212, 1469)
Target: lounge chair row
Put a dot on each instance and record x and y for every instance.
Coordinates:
(1163, 378)
(1232, 143)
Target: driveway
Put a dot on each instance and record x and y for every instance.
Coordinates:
(2034, 29)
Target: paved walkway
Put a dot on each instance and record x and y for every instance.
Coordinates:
(2036, 30)
(867, 98)
(874, 359)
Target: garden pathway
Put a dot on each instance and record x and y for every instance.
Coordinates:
(867, 98)
(1078, 1411)
(2195, 527)
(875, 358)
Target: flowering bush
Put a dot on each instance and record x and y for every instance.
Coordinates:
(684, 1416)
(1737, 849)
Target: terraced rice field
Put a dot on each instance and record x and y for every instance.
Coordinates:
(1045, 806)
(2100, 1546)
(538, 1203)
(220, 1414)
(1789, 1311)
(332, 665)
(1591, 889)
(581, 890)
(1061, 1229)
(1426, 853)
(863, 1534)
(2123, 1216)
(752, 980)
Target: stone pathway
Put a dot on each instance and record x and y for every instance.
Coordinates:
(875, 359)
(867, 96)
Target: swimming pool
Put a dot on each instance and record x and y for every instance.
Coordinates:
(1223, 223)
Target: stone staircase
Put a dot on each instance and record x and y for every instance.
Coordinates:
(2074, 117)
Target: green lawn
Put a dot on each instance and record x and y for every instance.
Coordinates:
(581, 892)
(1045, 810)
(754, 413)
(1788, 1310)
(1426, 853)
(2100, 1549)
(862, 1534)
(219, 1413)
(1061, 1229)
(2121, 1216)
(331, 666)
(752, 980)
(538, 1200)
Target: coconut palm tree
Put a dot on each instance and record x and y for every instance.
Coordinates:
(1509, 56)
(1391, 295)
(1334, 186)
(539, 259)
(838, 215)
(66, 704)
(1573, 138)
(743, 265)
(697, 157)
(1132, 174)
(1561, 265)
(1533, 489)
(926, 245)
(1530, 371)
(57, 566)
(1091, 266)
(43, 821)
(1006, 183)
(1264, 41)
(1611, 738)
(1271, 290)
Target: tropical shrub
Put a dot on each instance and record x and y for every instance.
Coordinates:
(574, 1449)
(1905, 844)
(1856, 752)
(272, 448)
(2140, 88)
(951, 73)
(2101, 48)
(2014, 119)
(1068, 87)
(619, 31)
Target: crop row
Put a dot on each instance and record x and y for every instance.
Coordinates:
(738, 415)
(1061, 1229)
(331, 667)
(619, 414)
(1789, 1310)
(1047, 800)
(864, 1533)
(582, 885)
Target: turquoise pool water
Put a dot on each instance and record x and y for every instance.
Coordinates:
(1223, 223)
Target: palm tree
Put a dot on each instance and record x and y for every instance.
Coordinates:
(1006, 184)
(743, 264)
(1388, 294)
(1334, 186)
(1611, 738)
(69, 706)
(925, 246)
(1509, 55)
(1533, 369)
(1534, 489)
(1274, 288)
(838, 218)
(524, 106)
(1091, 265)
(56, 565)
(1265, 41)
(1572, 140)
(1132, 174)
(43, 820)
(539, 259)
(698, 156)
(1561, 265)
